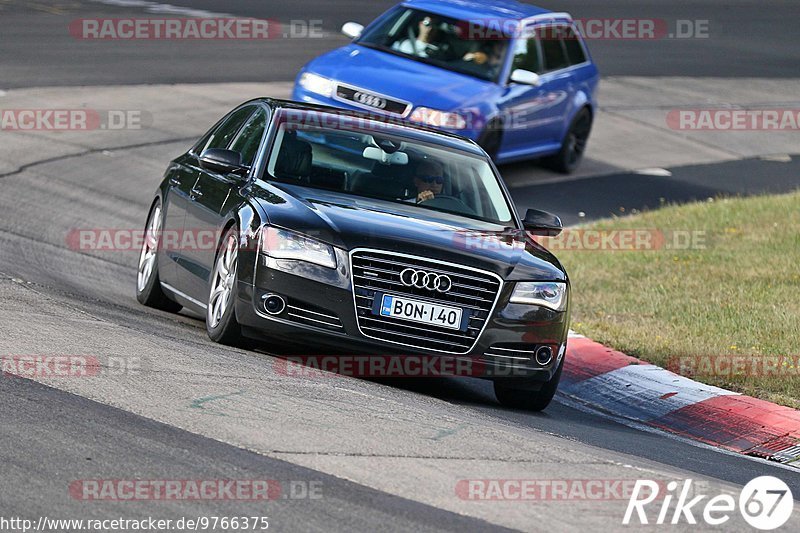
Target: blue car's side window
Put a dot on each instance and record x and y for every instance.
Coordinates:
(527, 56)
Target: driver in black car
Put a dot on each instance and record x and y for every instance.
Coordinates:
(429, 180)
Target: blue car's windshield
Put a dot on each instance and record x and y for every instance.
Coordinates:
(360, 157)
(448, 43)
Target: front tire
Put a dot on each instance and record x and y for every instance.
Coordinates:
(574, 144)
(148, 285)
(491, 137)
(221, 323)
(527, 399)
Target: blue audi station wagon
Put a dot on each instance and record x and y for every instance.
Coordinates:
(516, 78)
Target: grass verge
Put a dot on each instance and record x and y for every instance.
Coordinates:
(719, 300)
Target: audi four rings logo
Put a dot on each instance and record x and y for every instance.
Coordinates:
(370, 100)
(425, 280)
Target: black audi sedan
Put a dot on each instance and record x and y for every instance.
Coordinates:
(336, 232)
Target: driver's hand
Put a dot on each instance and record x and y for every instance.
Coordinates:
(424, 196)
(478, 58)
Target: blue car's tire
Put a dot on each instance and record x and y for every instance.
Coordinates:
(491, 137)
(574, 144)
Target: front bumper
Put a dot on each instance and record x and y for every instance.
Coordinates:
(320, 319)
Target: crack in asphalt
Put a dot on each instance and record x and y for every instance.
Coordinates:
(28, 166)
(437, 457)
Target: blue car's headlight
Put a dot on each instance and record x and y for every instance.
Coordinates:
(316, 84)
(550, 294)
(439, 119)
(284, 244)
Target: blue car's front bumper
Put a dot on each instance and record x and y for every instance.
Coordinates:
(299, 94)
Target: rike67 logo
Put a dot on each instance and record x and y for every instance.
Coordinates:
(765, 503)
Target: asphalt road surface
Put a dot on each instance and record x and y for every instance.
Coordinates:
(386, 454)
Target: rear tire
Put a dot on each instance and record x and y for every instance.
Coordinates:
(574, 144)
(527, 399)
(221, 323)
(148, 285)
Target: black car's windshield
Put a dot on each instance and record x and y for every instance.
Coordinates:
(377, 162)
(453, 44)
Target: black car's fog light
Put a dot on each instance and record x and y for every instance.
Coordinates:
(274, 304)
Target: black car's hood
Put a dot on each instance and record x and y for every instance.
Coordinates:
(351, 222)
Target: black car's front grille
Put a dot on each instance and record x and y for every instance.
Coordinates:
(377, 272)
(370, 100)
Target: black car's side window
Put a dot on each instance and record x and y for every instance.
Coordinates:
(226, 131)
(553, 53)
(526, 55)
(249, 138)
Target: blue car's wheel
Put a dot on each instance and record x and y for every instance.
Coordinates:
(574, 144)
(491, 137)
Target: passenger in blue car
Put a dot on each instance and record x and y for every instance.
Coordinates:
(489, 57)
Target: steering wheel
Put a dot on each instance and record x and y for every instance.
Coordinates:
(449, 203)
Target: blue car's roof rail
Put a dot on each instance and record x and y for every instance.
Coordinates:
(547, 16)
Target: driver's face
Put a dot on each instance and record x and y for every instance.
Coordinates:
(429, 178)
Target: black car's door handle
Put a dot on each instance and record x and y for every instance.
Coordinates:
(174, 182)
(196, 192)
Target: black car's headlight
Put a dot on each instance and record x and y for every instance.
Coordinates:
(550, 294)
(283, 244)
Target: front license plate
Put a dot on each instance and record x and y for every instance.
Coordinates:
(419, 311)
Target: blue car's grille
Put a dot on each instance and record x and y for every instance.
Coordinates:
(376, 272)
(370, 100)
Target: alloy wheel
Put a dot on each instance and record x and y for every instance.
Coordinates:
(147, 259)
(223, 282)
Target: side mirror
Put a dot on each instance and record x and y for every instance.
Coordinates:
(525, 77)
(542, 223)
(352, 29)
(223, 161)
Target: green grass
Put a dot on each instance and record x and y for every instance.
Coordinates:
(740, 295)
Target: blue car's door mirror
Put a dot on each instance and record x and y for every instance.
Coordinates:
(352, 29)
(525, 77)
